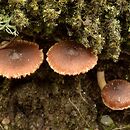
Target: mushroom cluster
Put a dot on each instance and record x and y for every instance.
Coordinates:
(19, 58)
(66, 57)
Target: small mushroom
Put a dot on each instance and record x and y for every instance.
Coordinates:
(68, 58)
(116, 93)
(20, 58)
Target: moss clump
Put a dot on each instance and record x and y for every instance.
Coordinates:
(17, 17)
(50, 15)
(13, 2)
(114, 39)
(100, 24)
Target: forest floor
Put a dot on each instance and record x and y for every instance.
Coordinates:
(49, 101)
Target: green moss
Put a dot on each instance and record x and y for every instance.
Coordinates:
(114, 39)
(99, 24)
(13, 2)
(19, 16)
(49, 17)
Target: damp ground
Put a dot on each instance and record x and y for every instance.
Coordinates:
(48, 101)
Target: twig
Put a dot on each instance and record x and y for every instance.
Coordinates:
(79, 90)
(78, 111)
(2, 128)
(121, 128)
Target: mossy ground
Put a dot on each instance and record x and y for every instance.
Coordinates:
(49, 101)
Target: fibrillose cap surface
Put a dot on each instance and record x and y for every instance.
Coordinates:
(69, 58)
(116, 94)
(20, 59)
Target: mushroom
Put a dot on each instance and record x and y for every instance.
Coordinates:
(19, 58)
(68, 58)
(116, 93)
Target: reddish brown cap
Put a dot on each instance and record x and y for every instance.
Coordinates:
(69, 58)
(116, 94)
(20, 59)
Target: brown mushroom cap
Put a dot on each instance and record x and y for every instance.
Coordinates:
(20, 59)
(68, 58)
(116, 94)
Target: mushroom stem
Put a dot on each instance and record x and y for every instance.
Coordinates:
(101, 79)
